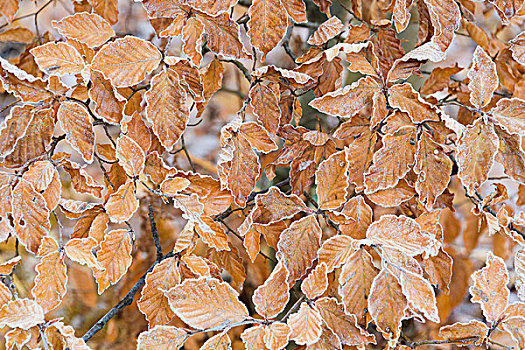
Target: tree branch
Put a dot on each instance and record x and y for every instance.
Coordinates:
(127, 300)
(154, 232)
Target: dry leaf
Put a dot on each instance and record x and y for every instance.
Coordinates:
(221, 307)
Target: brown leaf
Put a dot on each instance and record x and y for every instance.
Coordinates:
(122, 204)
(14, 127)
(332, 181)
(35, 141)
(75, 121)
(107, 104)
(342, 324)
(88, 28)
(153, 303)
(81, 181)
(221, 307)
(306, 325)
(348, 101)
(21, 313)
(490, 288)
(433, 167)
(166, 107)
(438, 79)
(271, 297)
(408, 100)
(475, 154)
(107, 9)
(387, 304)
(23, 85)
(58, 58)
(439, 270)
(511, 154)
(267, 25)
(326, 31)
(223, 36)
(355, 282)
(45, 179)
(50, 281)
(392, 161)
(296, 9)
(17, 35)
(509, 113)
(126, 61)
(162, 338)
(115, 258)
(265, 102)
(473, 332)
(30, 215)
(298, 245)
(483, 78)
(401, 233)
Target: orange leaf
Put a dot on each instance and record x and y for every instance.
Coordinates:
(316, 283)
(221, 307)
(342, 324)
(50, 281)
(58, 58)
(392, 161)
(81, 251)
(271, 297)
(166, 107)
(126, 61)
(355, 282)
(130, 155)
(401, 233)
(387, 304)
(298, 245)
(21, 313)
(152, 303)
(76, 123)
(88, 28)
(348, 101)
(306, 325)
(162, 338)
(326, 31)
(267, 25)
(115, 258)
(475, 154)
(408, 100)
(463, 332)
(30, 215)
(276, 335)
(122, 204)
(483, 78)
(490, 288)
(332, 181)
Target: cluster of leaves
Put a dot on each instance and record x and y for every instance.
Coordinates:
(361, 227)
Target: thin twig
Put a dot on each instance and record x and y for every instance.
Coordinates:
(154, 232)
(127, 300)
(187, 153)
